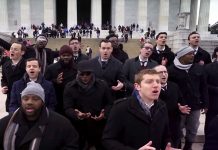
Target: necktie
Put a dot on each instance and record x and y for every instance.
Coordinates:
(103, 64)
(143, 63)
(164, 88)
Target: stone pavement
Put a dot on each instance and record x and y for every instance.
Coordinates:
(197, 146)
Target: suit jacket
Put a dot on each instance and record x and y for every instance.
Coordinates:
(202, 55)
(129, 127)
(133, 66)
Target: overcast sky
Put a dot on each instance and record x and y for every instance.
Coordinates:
(213, 11)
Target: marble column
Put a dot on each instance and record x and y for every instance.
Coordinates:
(193, 15)
(3, 16)
(184, 15)
(49, 12)
(142, 13)
(71, 13)
(25, 13)
(119, 12)
(96, 13)
(203, 19)
(163, 15)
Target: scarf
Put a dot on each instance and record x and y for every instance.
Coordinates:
(85, 87)
(41, 56)
(181, 66)
(11, 130)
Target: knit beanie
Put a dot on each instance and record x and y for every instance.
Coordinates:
(41, 37)
(34, 89)
(183, 51)
(66, 49)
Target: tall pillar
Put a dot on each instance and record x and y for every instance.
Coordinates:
(163, 15)
(96, 13)
(3, 15)
(193, 15)
(25, 13)
(184, 14)
(142, 13)
(203, 20)
(71, 13)
(119, 12)
(49, 12)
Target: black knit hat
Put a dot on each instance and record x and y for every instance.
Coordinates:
(84, 66)
(66, 49)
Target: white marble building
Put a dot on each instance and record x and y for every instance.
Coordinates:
(162, 15)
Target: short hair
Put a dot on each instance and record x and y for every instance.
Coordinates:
(33, 59)
(140, 74)
(105, 41)
(146, 41)
(194, 32)
(23, 47)
(214, 52)
(157, 36)
(111, 35)
(74, 38)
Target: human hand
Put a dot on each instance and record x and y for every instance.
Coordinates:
(80, 115)
(118, 87)
(100, 117)
(168, 147)
(147, 146)
(184, 109)
(164, 61)
(60, 78)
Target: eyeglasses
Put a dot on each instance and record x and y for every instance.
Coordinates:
(85, 74)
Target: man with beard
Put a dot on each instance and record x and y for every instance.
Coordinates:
(134, 65)
(161, 52)
(117, 52)
(33, 68)
(78, 56)
(44, 55)
(60, 73)
(13, 70)
(201, 56)
(87, 101)
(191, 79)
(33, 126)
(109, 69)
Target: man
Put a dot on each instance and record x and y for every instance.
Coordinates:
(60, 73)
(212, 82)
(33, 68)
(87, 101)
(33, 126)
(161, 52)
(78, 56)
(117, 52)
(109, 69)
(13, 70)
(191, 79)
(139, 122)
(44, 55)
(134, 65)
(201, 56)
(171, 95)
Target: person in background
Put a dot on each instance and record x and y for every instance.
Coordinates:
(201, 56)
(13, 70)
(33, 68)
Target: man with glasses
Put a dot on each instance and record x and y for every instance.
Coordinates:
(78, 56)
(134, 65)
